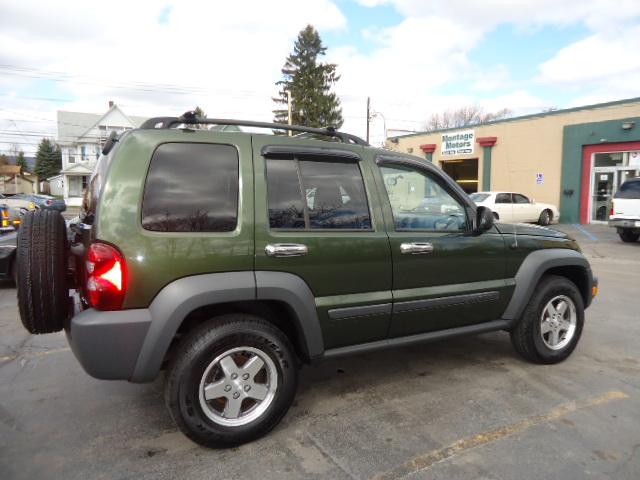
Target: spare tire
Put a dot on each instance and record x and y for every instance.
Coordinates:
(43, 295)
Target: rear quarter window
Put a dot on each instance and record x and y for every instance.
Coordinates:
(191, 187)
(629, 190)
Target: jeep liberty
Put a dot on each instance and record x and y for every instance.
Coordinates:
(229, 259)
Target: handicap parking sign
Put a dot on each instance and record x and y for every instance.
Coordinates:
(539, 178)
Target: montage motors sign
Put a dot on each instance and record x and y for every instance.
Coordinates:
(458, 143)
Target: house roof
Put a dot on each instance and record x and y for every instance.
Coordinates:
(85, 168)
(74, 125)
(10, 170)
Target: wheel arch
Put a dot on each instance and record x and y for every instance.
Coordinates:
(282, 298)
(557, 261)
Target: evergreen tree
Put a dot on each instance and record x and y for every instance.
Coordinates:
(21, 161)
(309, 83)
(48, 159)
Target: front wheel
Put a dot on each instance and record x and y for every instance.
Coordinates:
(232, 380)
(545, 218)
(551, 324)
(628, 236)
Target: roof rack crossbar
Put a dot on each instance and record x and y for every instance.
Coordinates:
(189, 118)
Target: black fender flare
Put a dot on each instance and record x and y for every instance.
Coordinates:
(534, 266)
(179, 298)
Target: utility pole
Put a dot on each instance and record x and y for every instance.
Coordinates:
(368, 117)
(289, 120)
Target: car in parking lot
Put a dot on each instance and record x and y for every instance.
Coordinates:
(7, 244)
(625, 211)
(17, 203)
(516, 207)
(43, 201)
(231, 258)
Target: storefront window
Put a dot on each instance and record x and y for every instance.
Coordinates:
(609, 159)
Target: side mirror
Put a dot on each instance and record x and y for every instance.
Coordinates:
(484, 220)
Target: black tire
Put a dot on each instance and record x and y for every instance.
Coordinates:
(526, 336)
(41, 271)
(628, 236)
(496, 216)
(199, 349)
(545, 218)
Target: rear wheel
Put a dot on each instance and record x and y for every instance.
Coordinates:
(231, 381)
(628, 236)
(551, 324)
(545, 218)
(41, 270)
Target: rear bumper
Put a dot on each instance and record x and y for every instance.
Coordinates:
(107, 344)
(625, 223)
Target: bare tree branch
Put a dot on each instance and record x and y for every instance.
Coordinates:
(462, 117)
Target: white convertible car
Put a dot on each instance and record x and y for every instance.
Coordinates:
(515, 207)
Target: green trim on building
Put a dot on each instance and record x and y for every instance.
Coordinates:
(486, 168)
(528, 117)
(574, 138)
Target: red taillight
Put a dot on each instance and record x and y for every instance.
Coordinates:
(611, 212)
(106, 277)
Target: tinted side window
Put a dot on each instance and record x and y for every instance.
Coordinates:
(503, 198)
(191, 187)
(286, 209)
(517, 198)
(629, 189)
(313, 194)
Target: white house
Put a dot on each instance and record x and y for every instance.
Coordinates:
(81, 137)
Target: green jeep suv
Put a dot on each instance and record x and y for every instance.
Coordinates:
(229, 259)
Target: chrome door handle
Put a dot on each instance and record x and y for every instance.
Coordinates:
(416, 247)
(286, 250)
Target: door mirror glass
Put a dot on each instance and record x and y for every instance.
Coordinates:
(484, 220)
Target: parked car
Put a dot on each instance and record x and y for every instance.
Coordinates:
(7, 244)
(516, 207)
(230, 259)
(625, 210)
(43, 201)
(17, 202)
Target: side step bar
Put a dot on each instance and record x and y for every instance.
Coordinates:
(485, 327)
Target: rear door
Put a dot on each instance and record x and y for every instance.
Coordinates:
(443, 276)
(317, 217)
(504, 207)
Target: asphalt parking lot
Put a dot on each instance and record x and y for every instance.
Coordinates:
(464, 408)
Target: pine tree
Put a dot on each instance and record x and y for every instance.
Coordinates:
(309, 83)
(48, 159)
(21, 161)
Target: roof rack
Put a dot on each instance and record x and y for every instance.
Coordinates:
(190, 118)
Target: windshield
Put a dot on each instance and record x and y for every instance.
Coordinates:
(629, 189)
(479, 197)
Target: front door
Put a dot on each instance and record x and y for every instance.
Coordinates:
(315, 202)
(602, 191)
(523, 209)
(443, 276)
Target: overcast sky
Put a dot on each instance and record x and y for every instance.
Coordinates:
(412, 57)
